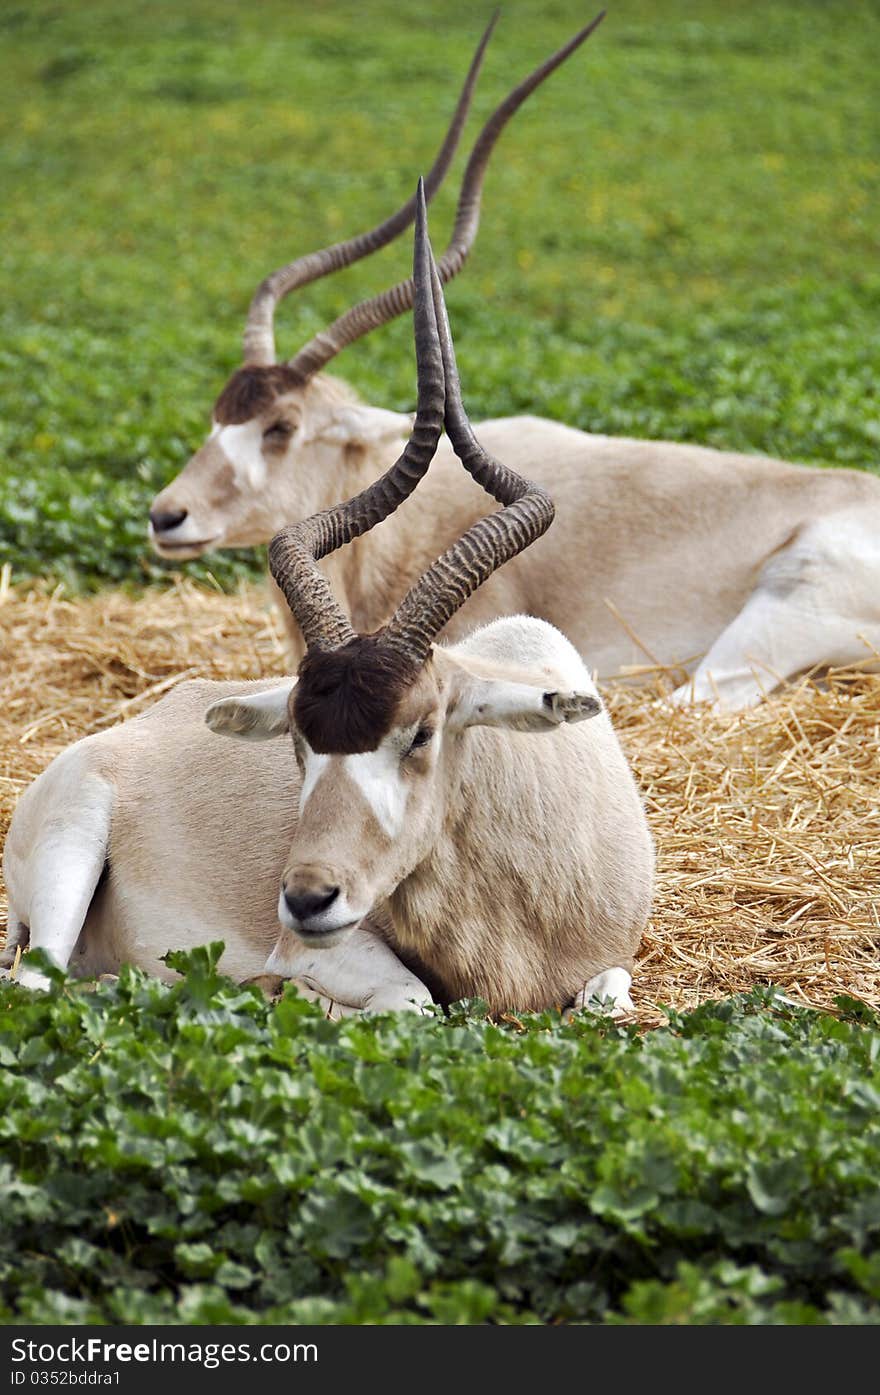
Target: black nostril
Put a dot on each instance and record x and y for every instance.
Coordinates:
(164, 522)
(310, 904)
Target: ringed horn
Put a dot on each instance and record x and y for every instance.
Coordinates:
(259, 341)
(527, 513)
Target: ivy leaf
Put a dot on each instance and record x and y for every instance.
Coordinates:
(771, 1185)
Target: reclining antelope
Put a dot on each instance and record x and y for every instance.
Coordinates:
(734, 571)
(426, 836)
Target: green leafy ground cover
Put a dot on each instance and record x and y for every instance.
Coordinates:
(679, 240)
(679, 236)
(188, 1154)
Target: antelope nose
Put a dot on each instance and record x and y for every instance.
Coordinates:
(163, 522)
(306, 905)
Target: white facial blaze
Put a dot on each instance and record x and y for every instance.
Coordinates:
(376, 774)
(315, 765)
(242, 447)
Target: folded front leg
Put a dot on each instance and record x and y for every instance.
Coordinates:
(359, 974)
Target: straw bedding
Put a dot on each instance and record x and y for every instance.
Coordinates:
(767, 823)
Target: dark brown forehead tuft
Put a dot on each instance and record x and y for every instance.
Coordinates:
(251, 389)
(346, 698)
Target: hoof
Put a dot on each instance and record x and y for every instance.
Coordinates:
(607, 992)
(31, 978)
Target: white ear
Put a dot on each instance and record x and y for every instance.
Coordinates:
(484, 702)
(252, 716)
(358, 425)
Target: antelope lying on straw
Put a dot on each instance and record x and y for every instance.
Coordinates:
(515, 869)
(736, 571)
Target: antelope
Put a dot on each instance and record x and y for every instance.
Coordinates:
(730, 572)
(431, 847)
(512, 870)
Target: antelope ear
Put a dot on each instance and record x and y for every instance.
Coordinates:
(482, 702)
(356, 424)
(252, 716)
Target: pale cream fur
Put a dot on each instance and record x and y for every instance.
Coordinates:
(540, 873)
(523, 865)
(154, 836)
(523, 870)
(655, 553)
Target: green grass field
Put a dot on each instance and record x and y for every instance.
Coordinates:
(679, 231)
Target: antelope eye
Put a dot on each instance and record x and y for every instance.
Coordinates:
(279, 431)
(421, 738)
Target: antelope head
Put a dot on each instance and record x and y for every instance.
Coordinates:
(375, 718)
(280, 429)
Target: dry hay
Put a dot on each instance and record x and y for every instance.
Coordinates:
(767, 822)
